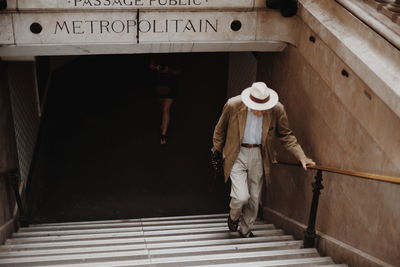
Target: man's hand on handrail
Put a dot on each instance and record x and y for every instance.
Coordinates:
(307, 162)
(364, 175)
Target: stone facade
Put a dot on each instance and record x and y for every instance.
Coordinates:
(347, 121)
(73, 27)
(134, 4)
(333, 135)
(337, 78)
(343, 123)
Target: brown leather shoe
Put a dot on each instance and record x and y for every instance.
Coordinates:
(232, 225)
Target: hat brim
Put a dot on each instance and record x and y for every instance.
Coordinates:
(273, 100)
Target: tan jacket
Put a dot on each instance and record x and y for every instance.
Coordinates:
(229, 131)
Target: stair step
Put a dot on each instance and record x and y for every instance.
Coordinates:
(306, 262)
(140, 255)
(132, 229)
(116, 224)
(238, 257)
(196, 240)
(134, 234)
(167, 248)
(334, 265)
(154, 219)
(147, 240)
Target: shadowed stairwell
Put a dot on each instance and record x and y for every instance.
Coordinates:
(100, 156)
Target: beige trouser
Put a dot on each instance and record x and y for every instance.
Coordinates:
(247, 179)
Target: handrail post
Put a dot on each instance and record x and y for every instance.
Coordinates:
(14, 180)
(309, 233)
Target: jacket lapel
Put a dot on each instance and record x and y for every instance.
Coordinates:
(242, 117)
(265, 127)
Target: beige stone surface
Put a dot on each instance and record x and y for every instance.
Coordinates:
(374, 18)
(121, 27)
(368, 54)
(260, 4)
(6, 30)
(371, 112)
(11, 4)
(196, 26)
(132, 4)
(339, 128)
(176, 47)
(116, 32)
(272, 26)
(63, 28)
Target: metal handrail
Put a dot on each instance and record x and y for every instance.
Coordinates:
(13, 178)
(310, 233)
(8, 171)
(364, 175)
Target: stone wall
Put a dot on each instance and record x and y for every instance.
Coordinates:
(340, 123)
(340, 86)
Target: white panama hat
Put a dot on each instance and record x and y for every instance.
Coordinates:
(259, 97)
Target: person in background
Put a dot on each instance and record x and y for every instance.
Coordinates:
(240, 146)
(166, 72)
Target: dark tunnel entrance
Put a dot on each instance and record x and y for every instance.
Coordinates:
(99, 155)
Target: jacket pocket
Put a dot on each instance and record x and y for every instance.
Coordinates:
(270, 153)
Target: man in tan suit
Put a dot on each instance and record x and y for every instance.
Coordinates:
(242, 135)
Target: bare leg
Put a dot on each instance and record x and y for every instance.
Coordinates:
(165, 109)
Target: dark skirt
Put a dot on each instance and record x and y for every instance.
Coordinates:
(166, 85)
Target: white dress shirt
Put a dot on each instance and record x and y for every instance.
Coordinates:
(252, 131)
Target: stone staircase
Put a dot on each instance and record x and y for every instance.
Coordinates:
(202, 240)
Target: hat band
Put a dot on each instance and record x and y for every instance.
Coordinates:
(258, 100)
